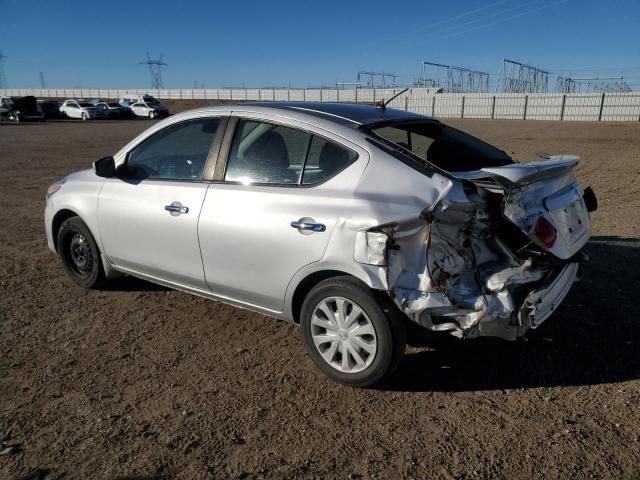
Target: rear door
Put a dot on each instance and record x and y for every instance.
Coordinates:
(272, 209)
(148, 216)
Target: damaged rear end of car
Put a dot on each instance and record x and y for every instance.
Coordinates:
(499, 248)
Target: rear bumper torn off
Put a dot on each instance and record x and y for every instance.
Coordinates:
(540, 304)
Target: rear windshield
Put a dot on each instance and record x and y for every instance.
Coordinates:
(86, 104)
(445, 147)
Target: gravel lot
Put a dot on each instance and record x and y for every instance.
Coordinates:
(144, 382)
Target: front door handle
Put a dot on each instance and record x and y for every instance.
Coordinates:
(176, 208)
(313, 227)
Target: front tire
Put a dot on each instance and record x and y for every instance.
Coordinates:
(350, 335)
(85, 117)
(80, 254)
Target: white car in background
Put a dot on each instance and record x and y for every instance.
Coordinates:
(83, 110)
(145, 106)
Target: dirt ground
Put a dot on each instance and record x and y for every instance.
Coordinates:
(141, 382)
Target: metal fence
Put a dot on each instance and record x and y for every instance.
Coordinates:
(536, 106)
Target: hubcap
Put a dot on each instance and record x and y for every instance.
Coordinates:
(80, 255)
(343, 334)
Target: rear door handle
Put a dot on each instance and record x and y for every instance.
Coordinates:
(313, 227)
(176, 208)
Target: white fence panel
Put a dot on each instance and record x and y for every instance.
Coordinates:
(621, 107)
(544, 106)
(509, 106)
(584, 107)
(478, 105)
(329, 95)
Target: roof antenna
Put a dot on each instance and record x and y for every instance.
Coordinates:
(382, 104)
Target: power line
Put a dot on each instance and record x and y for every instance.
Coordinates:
(451, 28)
(447, 20)
(490, 24)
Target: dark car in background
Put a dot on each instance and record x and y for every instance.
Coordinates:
(113, 110)
(50, 108)
(19, 109)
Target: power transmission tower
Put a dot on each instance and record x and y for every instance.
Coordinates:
(452, 79)
(516, 77)
(42, 84)
(155, 70)
(434, 75)
(3, 78)
(592, 85)
(376, 79)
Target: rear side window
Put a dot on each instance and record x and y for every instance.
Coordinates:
(325, 159)
(178, 152)
(266, 153)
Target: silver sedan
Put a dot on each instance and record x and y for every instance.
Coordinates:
(359, 223)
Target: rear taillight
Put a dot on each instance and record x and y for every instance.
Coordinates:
(545, 232)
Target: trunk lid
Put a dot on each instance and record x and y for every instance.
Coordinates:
(541, 191)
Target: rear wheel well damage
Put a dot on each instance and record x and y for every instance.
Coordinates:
(305, 286)
(57, 222)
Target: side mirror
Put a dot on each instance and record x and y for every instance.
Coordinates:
(105, 167)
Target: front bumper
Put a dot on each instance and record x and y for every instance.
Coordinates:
(48, 225)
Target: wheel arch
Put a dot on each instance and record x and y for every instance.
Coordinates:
(58, 219)
(307, 283)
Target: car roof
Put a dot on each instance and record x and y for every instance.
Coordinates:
(344, 113)
(351, 115)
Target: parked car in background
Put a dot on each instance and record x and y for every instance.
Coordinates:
(20, 109)
(145, 106)
(114, 110)
(50, 108)
(82, 110)
(352, 221)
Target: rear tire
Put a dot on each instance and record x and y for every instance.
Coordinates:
(368, 330)
(79, 253)
(85, 117)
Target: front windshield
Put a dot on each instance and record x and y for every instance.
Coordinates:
(86, 104)
(445, 147)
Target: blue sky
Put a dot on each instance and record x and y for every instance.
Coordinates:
(298, 43)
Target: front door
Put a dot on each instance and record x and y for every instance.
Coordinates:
(148, 216)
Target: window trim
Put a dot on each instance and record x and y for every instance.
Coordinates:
(212, 155)
(225, 151)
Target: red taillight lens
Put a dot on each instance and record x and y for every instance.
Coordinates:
(545, 232)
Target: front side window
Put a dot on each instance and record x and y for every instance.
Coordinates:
(178, 152)
(266, 153)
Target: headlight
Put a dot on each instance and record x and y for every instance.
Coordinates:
(54, 187)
